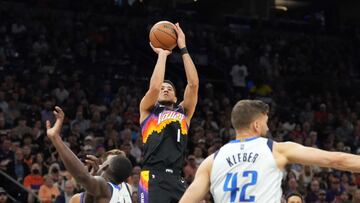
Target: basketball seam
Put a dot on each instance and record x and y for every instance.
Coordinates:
(160, 41)
(166, 33)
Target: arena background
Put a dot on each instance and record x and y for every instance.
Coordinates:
(93, 59)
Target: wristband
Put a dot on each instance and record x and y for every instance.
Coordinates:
(183, 51)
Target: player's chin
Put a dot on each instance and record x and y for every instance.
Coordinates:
(166, 101)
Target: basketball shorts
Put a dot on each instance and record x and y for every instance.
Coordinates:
(160, 186)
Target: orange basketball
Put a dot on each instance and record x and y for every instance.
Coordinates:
(163, 35)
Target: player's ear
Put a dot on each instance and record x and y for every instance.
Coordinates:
(256, 126)
(175, 99)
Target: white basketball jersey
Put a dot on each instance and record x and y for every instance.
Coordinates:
(120, 194)
(246, 171)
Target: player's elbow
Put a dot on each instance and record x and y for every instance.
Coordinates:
(193, 84)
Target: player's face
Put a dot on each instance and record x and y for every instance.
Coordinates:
(260, 125)
(294, 199)
(167, 94)
(103, 166)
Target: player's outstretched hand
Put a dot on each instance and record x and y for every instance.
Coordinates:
(180, 36)
(94, 163)
(56, 129)
(160, 50)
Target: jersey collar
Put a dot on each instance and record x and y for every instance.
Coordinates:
(244, 139)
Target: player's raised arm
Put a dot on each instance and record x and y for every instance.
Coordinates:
(201, 184)
(291, 152)
(192, 87)
(94, 185)
(157, 78)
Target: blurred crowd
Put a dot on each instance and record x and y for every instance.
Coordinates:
(96, 68)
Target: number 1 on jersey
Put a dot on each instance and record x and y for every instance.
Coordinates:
(232, 179)
(178, 136)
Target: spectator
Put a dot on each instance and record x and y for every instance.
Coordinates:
(3, 196)
(335, 189)
(239, 74)
(136, 150)
(294, 198)
(190, 169)
(313, 194)
(83, 123)
(209, 123)
(227, 133)
(356, 197)
(135, 178)
(199, 156)
(54, 174)
(134, 197)
(21, 129)
(61, 94)
(4, 106)
(21, 168)
(68, 192)
(343, 198)
(46, 113)
(321, 115)
(322, 197)
(126, 147)
(28, 157)
(39, 159)
(292, 185)
(33, 181)
(306, 175)
(90, 141)
(48, 191)
(126, 137)
(7, 157)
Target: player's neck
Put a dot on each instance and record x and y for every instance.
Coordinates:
(169, 105)
(107, 177)
(245, 134)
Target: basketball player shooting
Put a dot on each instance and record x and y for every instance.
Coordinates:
(249, 169)
(103, 188)
(164, 129)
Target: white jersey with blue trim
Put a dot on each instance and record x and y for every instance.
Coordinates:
(120, 193)
(246, 171)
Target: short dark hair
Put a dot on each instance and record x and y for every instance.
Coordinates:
(294, 194)
(172, 85)
(246, 111)
(119, 168)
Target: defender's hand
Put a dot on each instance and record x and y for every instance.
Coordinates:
(94, 162)
(56, 129)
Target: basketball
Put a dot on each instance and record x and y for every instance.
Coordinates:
(163, 35)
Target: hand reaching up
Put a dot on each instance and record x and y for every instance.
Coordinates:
(56, 129)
